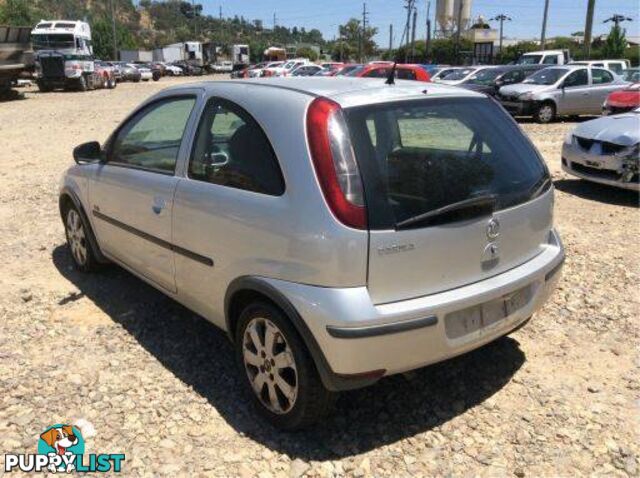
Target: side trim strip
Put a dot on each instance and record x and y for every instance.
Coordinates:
(156, 240)
(376, 330)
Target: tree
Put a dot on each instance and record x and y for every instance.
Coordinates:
(17, 13)
(616, 43)
(306, 52)
(350, 34)
(103, 39)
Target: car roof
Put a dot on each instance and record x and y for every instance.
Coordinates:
(347, 91)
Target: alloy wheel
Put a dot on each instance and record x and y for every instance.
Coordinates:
(76, 237)
(270, 365)
(546, 113)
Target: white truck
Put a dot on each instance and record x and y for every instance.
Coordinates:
(239, 56)
(545, 57)
(63, 55)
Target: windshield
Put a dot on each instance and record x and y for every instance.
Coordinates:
(529, 60)
(419, 156)
(459, 74)
(485, 77)
(548, 76)
(353, 71)
(52, 41)
(632, 74)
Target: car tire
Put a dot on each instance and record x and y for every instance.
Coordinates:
(545, 113)
(112, 83)
(44, 87)
(283, 382)
(82, 84)
(78, 233)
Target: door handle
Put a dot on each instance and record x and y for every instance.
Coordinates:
(158, 205)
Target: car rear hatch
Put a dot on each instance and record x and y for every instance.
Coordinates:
(454, 193)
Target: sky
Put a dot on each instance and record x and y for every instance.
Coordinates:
(565, 16)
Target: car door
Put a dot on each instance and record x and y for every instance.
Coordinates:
(575, 92)
(602, 84)
(131, 193)
(231, 200)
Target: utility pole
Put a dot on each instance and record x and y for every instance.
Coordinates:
(413, 35)
(220, 12)
(427, 45)
(591, 6)
(363, 31)
(275, 20)
(390, 37)
(543, 35)
(617, 19)
(501, 18)
(407, 28)
(459, 22)
(113, 32)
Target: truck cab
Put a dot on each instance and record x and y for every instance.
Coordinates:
(545, 57)
(16, 56)
(64, 55)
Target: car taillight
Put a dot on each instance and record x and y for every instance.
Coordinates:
(335, 162)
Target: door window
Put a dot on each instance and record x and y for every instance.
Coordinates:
(577, 78)
(616, 68)
(405, 74)
(152, 138)
(232, 150)
(600, 77)
(377, 73)
(550, 60)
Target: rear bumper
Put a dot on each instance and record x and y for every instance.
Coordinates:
(597, 168)
(357, 337)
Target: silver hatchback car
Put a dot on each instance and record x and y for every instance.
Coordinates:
(339, 230)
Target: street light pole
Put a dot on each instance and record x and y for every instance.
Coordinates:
(543, 35)
(113, 33)
(501, 18)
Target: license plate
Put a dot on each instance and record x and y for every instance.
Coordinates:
(484, 316)
(593, 164)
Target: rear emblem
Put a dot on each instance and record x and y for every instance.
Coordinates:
(493, 229)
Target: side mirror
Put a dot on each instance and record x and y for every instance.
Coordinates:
(87, 153)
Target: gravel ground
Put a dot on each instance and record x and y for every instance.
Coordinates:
(559, 397)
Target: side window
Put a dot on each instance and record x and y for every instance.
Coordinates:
(403, 74)
(601, 77)
(577, 78)
(550, 60)
(616, 68)
(377, 73)
(152, 138)
(231, 150)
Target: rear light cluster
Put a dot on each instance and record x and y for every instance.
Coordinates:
(335, 162)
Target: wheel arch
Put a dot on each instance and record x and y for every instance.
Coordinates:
(67, 198)
(245, 289)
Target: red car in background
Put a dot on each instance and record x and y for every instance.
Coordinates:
(622, 101)
(403, 72)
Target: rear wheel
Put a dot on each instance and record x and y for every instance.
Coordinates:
(545, 113)
(278, 370)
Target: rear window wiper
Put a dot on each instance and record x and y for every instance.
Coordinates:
(485, 204)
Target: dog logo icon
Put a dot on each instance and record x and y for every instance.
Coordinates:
(61, 440)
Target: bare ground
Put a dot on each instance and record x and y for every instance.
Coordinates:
(559, 397)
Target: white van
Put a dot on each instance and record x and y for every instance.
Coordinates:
(617, 66)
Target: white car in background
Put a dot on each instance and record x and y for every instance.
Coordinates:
(286, 68)
(172, 70)
(258, 72)
(145, 73)
(460, 75)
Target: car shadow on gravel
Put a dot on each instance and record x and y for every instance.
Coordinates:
(200, 355)
(598, 192)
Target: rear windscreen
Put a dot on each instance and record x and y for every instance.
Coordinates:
(418, 156)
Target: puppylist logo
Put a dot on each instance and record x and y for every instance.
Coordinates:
(61, 449)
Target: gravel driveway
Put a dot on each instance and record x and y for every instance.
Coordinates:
(559, 397)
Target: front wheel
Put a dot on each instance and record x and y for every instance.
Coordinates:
(77, 232)
(278, 370)
(83, 85)
(545, 113)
